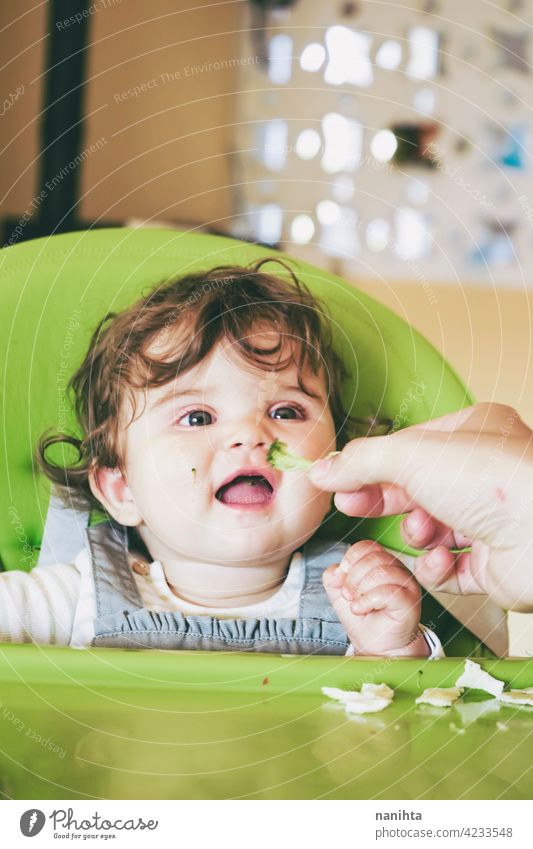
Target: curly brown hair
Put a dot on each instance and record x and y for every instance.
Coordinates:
(222, 302)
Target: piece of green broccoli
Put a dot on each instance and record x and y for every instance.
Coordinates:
(280, 457)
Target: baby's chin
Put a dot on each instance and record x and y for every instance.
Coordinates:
(252, 546)
(244, 547)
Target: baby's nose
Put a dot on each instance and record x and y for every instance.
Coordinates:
(247, 442)
(247, 434)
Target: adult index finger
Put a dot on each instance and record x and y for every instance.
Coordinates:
(366, 460)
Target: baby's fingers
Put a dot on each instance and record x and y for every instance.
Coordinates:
(391, 597)
(360, 559)
(384, 575)
(333, 579)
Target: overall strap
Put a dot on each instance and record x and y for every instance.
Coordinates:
(318, 555)
(115, 586)
(64, 531)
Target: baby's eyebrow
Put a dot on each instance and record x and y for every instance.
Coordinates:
(174, 393)
(295, 388)
(171, 394)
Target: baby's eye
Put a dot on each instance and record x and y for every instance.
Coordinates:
(286, 412)
(196, 418)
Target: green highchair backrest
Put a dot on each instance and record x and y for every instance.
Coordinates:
(54, 290)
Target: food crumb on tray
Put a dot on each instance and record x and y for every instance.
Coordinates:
(370, 699)
(439, 696)
(517, 697)
(477, 679)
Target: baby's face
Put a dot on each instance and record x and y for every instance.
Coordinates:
(196, 462)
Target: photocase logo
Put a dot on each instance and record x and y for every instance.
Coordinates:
(32, 822)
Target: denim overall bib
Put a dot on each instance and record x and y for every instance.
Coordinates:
(121, 620)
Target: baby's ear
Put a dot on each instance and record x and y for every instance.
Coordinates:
(109, 486)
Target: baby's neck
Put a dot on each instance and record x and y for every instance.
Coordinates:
(220, 585)
(226, 597)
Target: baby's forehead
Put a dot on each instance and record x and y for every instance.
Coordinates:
(263, 347)
(274, 366)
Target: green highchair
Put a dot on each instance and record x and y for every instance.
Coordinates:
(55, 290)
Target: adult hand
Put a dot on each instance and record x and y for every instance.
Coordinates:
(465, 479)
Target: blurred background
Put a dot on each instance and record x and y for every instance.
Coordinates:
(390, 142)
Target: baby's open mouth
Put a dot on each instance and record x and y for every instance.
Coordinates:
(246, 489)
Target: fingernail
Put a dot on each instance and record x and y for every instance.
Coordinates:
(347, 594)
(321, 468)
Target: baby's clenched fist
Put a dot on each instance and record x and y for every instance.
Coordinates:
(377, 601)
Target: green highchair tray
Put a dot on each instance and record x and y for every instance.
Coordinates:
(112, 724)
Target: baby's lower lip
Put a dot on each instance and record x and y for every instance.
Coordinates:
(247, 507)
(244, 504)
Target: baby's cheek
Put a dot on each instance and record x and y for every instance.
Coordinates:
(321, 503)
(319, 496)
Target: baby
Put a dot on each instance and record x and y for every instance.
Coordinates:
(204, 544)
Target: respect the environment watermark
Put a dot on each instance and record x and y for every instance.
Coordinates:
(184, 73)
(49, 187)
(99, 6)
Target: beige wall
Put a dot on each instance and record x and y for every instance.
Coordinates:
(167, 148)
(486, 334)
(23, 42)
